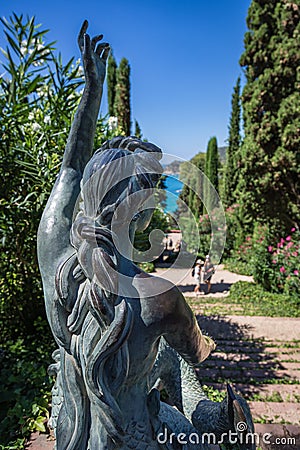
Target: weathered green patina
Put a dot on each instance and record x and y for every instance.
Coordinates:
(121, 333)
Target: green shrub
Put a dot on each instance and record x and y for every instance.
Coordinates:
(214, 394)
(38, 94)
(159, 221)
(38, 97)
(260, 261)
(285, 264)
(147, 267)
(237, 266)
(274, 267)
(25, 387)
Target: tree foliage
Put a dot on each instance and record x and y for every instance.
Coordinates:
(138, 131)
(230, 169)
(190, 200)
(38, 96)
(212, 173)
(192, 184)
(111, 78)
(268, 188)
(159, 221)
(122, 99)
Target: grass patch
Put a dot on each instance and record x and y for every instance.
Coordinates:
(213, 394)
(248, 299)
(252, 381)
(274, 397)
(295, 343)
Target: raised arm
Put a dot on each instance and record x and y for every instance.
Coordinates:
(80, 142)
(55, 225)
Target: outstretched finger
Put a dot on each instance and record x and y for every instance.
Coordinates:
(106, 53)
(82, 32)
(87, 45)
(101, 47)
(95, 40)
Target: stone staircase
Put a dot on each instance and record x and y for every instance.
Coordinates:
(265, 370)
(260, 358)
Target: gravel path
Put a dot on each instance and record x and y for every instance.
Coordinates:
(221, 280)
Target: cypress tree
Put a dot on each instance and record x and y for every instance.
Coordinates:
(230, 169)
(192, 184)
(111, 83)
(211, 171)
(122, 99)
(138, 132)
(268, 189)
(213, 162)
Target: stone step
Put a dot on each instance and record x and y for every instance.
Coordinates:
(40, 441)
(241, 365)
(248, 375)
(237, 357)
(266, 436)
(266, 329)
(259, 348)
(257, 343)
(288, 392)
(277, 437)
(201, 308)
(284, 352)
(276, 412)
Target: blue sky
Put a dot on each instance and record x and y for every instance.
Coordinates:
(183, 55)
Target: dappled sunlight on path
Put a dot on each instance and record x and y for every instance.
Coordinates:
(182, 278)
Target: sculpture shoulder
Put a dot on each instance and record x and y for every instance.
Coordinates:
(149, 285)
(163, 296)
(53, 238)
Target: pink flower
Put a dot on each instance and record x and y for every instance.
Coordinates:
(274, 261)
(293, 229)
(295, 253)
(288, 238)
(296, 272)
(282, 269)
(270, 249)
(289, 245)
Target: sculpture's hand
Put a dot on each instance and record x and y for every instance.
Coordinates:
(94, 56)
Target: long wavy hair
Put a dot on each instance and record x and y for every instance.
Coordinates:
(97, 322)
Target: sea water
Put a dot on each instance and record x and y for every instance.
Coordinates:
(173, 189)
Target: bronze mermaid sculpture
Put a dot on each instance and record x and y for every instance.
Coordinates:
(112, 322)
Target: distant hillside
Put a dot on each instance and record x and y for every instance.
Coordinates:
(172, 168)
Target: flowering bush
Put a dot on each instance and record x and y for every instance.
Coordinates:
(260, 261)
(274, 267)
(244, 251)
(285, 263)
